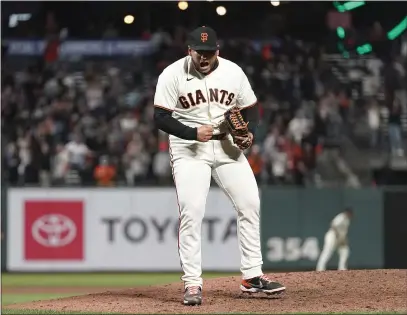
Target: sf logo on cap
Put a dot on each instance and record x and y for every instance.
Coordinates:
(204, 37)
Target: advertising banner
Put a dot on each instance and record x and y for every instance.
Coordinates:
(112, 230)
(294, 223)
(81, 47)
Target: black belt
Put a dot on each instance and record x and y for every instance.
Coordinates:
(221, 136)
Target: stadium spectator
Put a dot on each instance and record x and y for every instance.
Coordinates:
(105, 173)
(395, 129)
(256, 161)
(78, 152)
(373, 116)
(58, 121)
(60, 165)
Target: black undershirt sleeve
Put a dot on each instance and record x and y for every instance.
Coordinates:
(164, 121)
(251, 115)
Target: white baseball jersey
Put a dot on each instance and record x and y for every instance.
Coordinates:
(341, 224)
(195, 100)
(198, 99)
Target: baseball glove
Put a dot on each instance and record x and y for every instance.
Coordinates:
(238, 128)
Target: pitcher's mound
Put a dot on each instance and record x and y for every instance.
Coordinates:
(324, 292)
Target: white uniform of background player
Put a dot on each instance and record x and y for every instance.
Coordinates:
(199, 99)
(336, 238)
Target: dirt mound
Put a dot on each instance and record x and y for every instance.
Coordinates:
(56, 290)
(330, 291)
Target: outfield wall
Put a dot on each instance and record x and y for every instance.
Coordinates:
(135, 229)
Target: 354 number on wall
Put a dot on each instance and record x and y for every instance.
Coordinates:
(292, 249)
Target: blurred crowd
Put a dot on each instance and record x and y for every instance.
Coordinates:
(90, 122)
(388, 118)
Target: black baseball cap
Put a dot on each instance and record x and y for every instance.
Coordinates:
(203, 38)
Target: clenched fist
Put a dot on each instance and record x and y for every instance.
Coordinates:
(205, 133)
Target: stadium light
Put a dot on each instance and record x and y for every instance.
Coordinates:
(340, 32)
(15, 18)
(128, 19)
(275, 3)
(348, 6)
(398, 29)
(221, 10)
(182, 5)
(364, 49)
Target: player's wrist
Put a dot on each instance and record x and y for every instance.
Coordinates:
(190, 133)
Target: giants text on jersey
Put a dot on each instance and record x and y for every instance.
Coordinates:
(198, 99)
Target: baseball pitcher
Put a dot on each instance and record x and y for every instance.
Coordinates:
(207, 106)
(336, 238)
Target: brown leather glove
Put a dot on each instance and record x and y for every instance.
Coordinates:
(238, 128)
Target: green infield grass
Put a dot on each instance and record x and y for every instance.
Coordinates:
(94, 279)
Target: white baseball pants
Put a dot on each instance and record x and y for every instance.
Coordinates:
(332, 243)
(193, 165)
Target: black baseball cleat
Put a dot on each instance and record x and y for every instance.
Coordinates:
(193, 295)
(261, 284)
